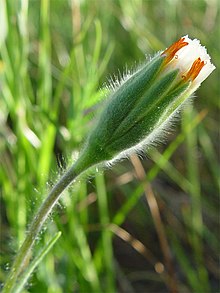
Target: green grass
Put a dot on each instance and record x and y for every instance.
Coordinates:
(55, 57)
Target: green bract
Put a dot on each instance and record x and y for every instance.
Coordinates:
(140, 109)
(134, 111)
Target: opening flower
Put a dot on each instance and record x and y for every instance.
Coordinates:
(139, 109)
(191, 59)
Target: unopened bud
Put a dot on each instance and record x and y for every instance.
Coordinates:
(140, 109)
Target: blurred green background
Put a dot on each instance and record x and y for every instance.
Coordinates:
(148, 224)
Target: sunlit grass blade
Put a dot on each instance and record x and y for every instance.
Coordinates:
(106, 252)
(210, 153)
(196, 207)
(186, 265)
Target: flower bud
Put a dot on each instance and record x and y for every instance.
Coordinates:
(140, 109)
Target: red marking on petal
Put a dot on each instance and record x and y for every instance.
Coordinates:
(175, 47)
(194, 70)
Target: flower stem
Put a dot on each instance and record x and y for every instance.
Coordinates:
(82, 164)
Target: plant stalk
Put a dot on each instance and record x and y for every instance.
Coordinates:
(82, 164)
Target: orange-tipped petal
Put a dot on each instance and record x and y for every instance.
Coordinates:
(190, 58)
(175, 47)
(194, 70)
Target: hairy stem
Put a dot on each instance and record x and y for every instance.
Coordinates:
(41, 216)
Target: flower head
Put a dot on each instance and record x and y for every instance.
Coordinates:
(139, 110)
(191, 59)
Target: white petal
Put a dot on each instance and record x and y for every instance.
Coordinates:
(185, 57)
